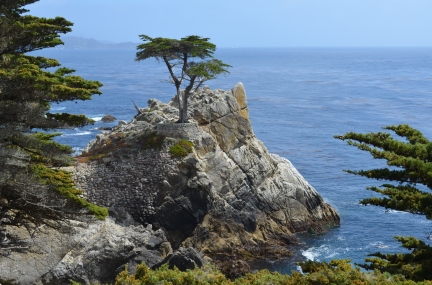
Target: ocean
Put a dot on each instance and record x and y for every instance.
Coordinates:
(298, 98)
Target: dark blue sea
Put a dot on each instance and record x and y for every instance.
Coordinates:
(299, 98)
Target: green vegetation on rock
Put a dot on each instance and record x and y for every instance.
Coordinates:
(337, 272)
(181, 148)
(32, 194)
(62, 182)
(113, 143)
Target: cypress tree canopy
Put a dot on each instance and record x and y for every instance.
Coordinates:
(189, 61)
(410, 164)
(33, 194)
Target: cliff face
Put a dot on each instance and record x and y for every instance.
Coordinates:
(87, 251)
(229, 197)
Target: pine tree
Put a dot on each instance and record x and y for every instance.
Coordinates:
(410, 164)
(32, 192)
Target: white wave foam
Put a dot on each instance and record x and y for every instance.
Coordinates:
(299, 269)
(310, 254)
(391, 211)
(314, 252)
(57, 108)
(77, 150)
(97, 119)
(78, 134)
(323, 252)
(378, 244)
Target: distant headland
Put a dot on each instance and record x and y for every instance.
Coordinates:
(71, 42)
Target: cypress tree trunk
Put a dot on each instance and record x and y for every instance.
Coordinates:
(183, 110)
(180, 105)
(180, 108)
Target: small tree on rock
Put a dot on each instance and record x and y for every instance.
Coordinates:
(189, 61)
(411, 164)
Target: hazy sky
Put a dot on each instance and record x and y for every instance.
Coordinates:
(251, 23)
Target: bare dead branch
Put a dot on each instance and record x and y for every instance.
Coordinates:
(137, 108)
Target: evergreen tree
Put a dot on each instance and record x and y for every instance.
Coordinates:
(32, 193)
(410, 163)
(189, 61)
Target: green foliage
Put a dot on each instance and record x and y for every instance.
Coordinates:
(28, 33)
(337, 272)
(74, 120)
(415, 265)
(194, 57)
(62, 182)
(163, 275)
(41, 148)
(411, 164)
(191, 46)
(28, 87)
(181, 148)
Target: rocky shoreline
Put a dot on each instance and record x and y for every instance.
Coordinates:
(226, 199)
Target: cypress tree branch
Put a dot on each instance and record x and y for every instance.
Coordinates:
(411, 162)
(32, 194)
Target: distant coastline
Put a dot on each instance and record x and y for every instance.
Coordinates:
(71, 42)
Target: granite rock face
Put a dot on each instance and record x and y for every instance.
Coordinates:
(184, 259)
(89, 252)
(228, 198)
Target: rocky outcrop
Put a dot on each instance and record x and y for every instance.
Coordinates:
(184, 259)
(228, 198)
(108, 118)
(88, 252)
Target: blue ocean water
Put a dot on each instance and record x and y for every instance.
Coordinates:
(298, 99)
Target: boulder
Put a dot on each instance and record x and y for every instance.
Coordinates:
(108, 118)
(89, 252)
(184, 259)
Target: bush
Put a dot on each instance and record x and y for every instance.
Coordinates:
(164, 275)
(338, 272)
(181, 148)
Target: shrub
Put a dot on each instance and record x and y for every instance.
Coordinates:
(181, 148)
(164, 275)
(337, 272)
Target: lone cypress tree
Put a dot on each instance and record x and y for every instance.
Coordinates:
(189, 61)
(32, 193)
(411, 165)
